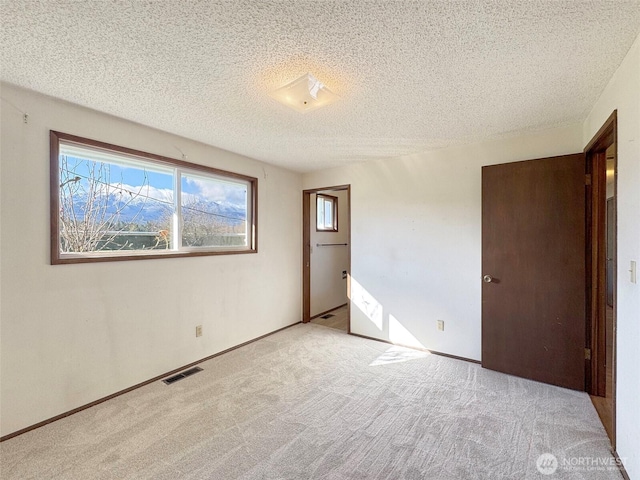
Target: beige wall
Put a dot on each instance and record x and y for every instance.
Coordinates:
(328, 289)
(416, 238)
(623, 93)
(71, 334)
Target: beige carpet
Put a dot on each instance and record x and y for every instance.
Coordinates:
(314, 403)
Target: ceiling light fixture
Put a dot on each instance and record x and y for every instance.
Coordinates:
(304, 94)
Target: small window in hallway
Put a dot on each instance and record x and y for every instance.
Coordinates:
(327, 213)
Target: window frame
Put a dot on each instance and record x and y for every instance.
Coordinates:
(334, 207)
(181, 166)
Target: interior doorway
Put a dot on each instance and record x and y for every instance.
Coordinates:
(327, 256)
(601, 157)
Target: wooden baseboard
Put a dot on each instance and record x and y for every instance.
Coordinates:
(419, 349)
(623, 471)
(134, 387)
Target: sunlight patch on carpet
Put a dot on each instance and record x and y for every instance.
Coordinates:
(398, 354)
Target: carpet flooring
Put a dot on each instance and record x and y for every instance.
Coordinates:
(311, 402)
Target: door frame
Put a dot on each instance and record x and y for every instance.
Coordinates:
(306, 250)
(595, 155)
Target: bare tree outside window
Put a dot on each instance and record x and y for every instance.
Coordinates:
(115, 203)
(98, 214)
(213, 213)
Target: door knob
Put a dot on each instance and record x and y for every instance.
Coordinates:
(487, 279)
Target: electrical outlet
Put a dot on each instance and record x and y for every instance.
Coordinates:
(633, 272)
(199, 331)
(441, 325)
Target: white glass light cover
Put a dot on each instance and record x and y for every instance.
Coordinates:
(304, 94)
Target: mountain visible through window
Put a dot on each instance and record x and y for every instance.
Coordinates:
(111, 203)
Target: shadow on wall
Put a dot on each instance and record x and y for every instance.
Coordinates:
(388, 325)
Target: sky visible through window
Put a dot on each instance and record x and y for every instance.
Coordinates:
(100, 200)
(156, 186)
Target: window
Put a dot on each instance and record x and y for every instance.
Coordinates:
(113, 203)
(327, 213)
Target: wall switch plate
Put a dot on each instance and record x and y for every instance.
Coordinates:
(633, 270)
(441, 325)
(199, 331)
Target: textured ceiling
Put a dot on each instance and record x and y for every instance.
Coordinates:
(412, 75)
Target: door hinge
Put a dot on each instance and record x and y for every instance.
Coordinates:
(587, 354)
(587, 179)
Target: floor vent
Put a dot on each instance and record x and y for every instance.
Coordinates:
(328, 315)
(182, 375)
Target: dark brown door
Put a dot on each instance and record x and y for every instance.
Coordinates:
(610, 249)
(533, 265)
